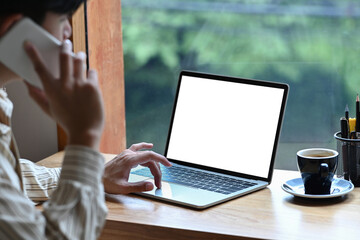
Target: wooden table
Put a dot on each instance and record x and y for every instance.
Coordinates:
(267, 214)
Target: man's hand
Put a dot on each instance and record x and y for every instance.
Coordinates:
(117, 170)
(73, 100)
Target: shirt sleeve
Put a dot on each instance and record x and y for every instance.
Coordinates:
(76, 209)
(39, 182)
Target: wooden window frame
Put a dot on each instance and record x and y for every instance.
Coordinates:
(97, 28)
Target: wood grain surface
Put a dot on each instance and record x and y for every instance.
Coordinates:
(106, 56)
(270, 213)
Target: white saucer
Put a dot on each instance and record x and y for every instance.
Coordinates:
(339, 187)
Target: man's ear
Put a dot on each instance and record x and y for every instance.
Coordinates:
(8, 22)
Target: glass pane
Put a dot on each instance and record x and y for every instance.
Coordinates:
(312, 45)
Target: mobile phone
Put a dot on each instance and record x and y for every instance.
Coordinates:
(13, 55)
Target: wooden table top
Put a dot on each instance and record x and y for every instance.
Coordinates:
(270, 213)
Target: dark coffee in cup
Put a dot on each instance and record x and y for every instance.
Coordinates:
(317, 167)
(320, 155)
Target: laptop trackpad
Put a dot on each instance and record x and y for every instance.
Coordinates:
(167, 190)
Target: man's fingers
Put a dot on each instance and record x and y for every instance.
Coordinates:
(134, 187)
(40, 97)
(140, 146)
(79, 70)
(38, 63)
(92, 77)
(147, 156)
(155, 171)
(66, 63)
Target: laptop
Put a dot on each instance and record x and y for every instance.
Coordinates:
(222, 139)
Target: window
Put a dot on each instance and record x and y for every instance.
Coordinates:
(312, 45)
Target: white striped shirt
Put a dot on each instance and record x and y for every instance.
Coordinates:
(76, 209)
(39, 182)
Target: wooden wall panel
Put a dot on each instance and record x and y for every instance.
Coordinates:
(106, 56)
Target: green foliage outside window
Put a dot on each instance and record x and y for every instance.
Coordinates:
(314, 46)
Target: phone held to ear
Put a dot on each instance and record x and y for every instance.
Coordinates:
(13, 55)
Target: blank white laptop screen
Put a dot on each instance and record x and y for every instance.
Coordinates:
(225, 125)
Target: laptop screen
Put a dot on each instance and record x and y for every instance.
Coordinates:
(226, 123)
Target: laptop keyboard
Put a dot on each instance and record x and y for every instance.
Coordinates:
(198, 179)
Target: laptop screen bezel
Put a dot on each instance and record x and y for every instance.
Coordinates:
(278, 85)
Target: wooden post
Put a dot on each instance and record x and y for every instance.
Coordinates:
(106, 56)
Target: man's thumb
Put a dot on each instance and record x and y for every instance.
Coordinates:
(140, 186)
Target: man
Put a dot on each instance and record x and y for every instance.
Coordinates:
(76, 209)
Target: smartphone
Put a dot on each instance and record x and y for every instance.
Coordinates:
(13, 55)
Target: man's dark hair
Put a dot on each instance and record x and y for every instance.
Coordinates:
(36, 9)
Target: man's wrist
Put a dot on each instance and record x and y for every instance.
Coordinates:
(89, 139)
